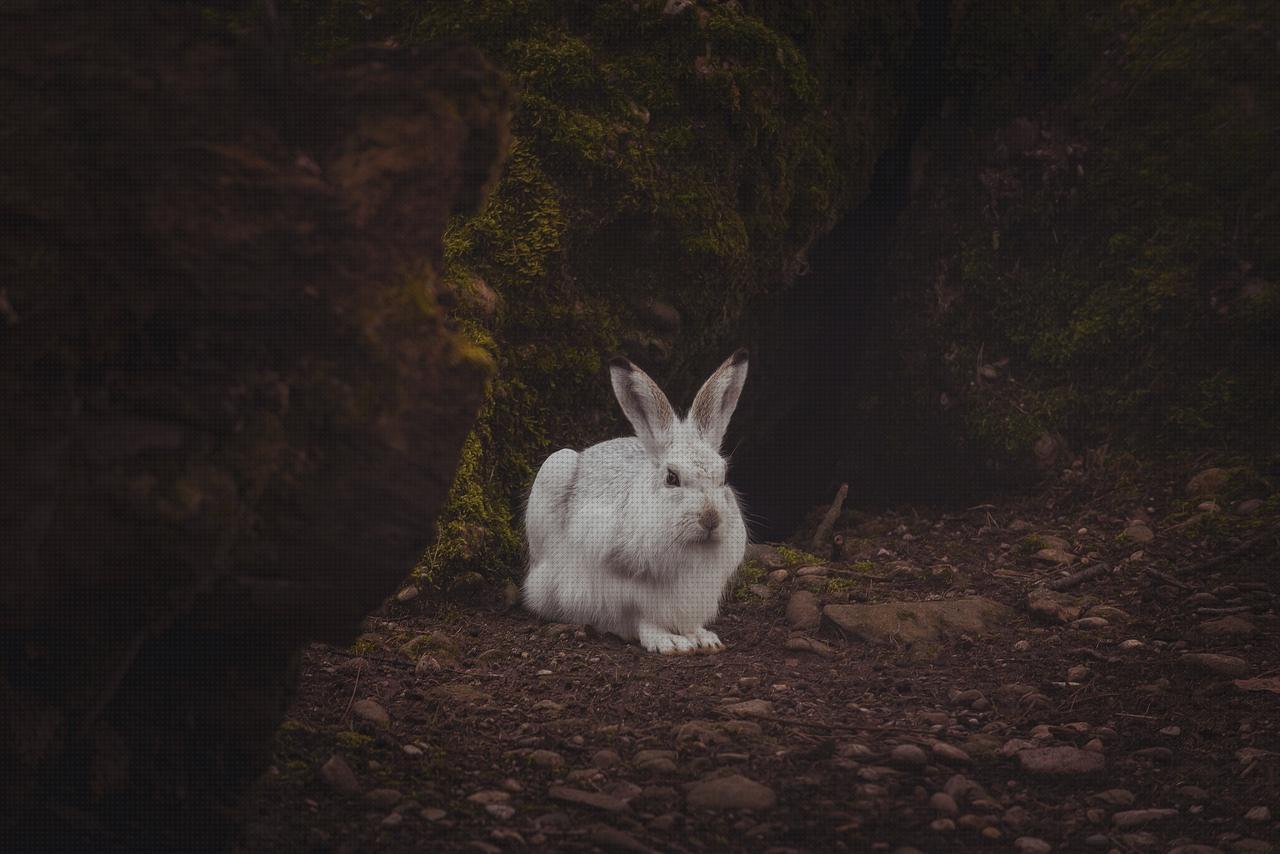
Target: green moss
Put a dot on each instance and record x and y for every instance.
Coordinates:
(352, 740)
(749, 573)
(1031, 544)
(799, 557)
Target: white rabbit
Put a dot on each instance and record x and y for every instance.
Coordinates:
(640, 536)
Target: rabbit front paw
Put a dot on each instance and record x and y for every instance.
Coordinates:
(655, 639)
(706, 640)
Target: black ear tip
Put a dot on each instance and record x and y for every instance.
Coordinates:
(620, 362)
(739, 356)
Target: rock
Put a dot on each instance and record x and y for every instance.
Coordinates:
(1056, 556)
(408, 594)
(595, 800)
(908, 756)
(778, 576)
(1137, 818)
(1139, 534)
(1260, 813)
(502, 812)
(731, 792)
(1208, 482)
(396, 819)
(433, 814)
(546, 759)
(1022, 646)
(803, 611)
(1114, 797)
(613, 839)
(1061, 761)
(943, 803)
(1109, 613)
(765, 555)
(1223, 665)
(1031, 845)
(485, 797)
(807, 571)
(917, 624)
(1249, 506)
(1090, 623)
(1230, 626)
(950, 753)
(605, 758)
(942, 825)
(1054, 606)
(656, 761)
(1131, 644)
(961, 788)
(372, 711)
(802, 644)
(339, 777)
(382, 798)
(750, 709)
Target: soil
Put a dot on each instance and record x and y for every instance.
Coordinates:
(504, 733)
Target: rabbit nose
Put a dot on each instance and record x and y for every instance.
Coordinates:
(709, 519)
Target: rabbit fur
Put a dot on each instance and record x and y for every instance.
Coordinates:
(640, 536)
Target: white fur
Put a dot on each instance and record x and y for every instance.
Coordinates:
(611, 544)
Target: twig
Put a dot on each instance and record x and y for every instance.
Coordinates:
(352, 698)
(829, 520)
(1077, 578)
(1243, 548)
(1167, 578)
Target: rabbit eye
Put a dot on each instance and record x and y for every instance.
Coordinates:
(672, 478)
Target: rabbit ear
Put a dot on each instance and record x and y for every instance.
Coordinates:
(716, 400)
(644, 404)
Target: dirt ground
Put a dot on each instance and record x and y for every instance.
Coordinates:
(1083, 719)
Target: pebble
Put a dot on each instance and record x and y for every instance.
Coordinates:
(1137, 818)
(502, 812)
(802, 644)
(991, 833)
(803, 611)
(908, 756)
(750, 708)
(1131, 643)
(546, 759)
(1095, 745)
(395, 819)
(1115, 797)
(656, 761)
(1061, 761)
(1097, 840)
(1249, 506)
(485, 797)
(778, 576)
(950, 753)
(1057, 556)
(943, 803)
(942, 825)
(732, 792)
(605, 758)
(1208, 482)
(1139, 534)
(1227, 627)
(1259, 813)
(382, 798)
(1022, 646)
(806, 571)
(371, 711)
(411, 750)
(1223, 665)
(1090, 623)
(433, 814)
(339, 776)
(597, 800)
(1031, 845)
(1078, 673)
(1171, 731)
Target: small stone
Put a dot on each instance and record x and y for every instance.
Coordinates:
(339, 776)
(1056, 556)
(1108, 612)
(372, 712)
(1223, 665)
(731, 792)
(908, 756)
(1131, 644)
(1228, 627)
(1115, 797)
(777, 576)
(950, 753)
(802, 644)
(1098, 840)
(502, 812)
(1054, 606)
(382, 798)
(1137, 818)
(803, 611)
(805, 571)
(942, 825)
(485, 797)
(943, 803)
(408, 594)
(433, 814)
(411, 750)
(1090, 623)
(1258, 814)
(991, 833)
(546, 759)
(1031, 845)
(605, 758)
(1015, 817)
(395, 819)
(512, 785)
(1095, 745)
(1061, 761)
(1249, 506)
(596, 800)
(1208, 482)
(1139, 534)
(1022, 646)
(1171, 731)
(751, 708)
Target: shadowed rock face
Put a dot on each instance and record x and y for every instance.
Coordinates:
(229, 408)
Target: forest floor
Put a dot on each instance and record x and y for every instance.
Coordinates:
(1137, 709)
